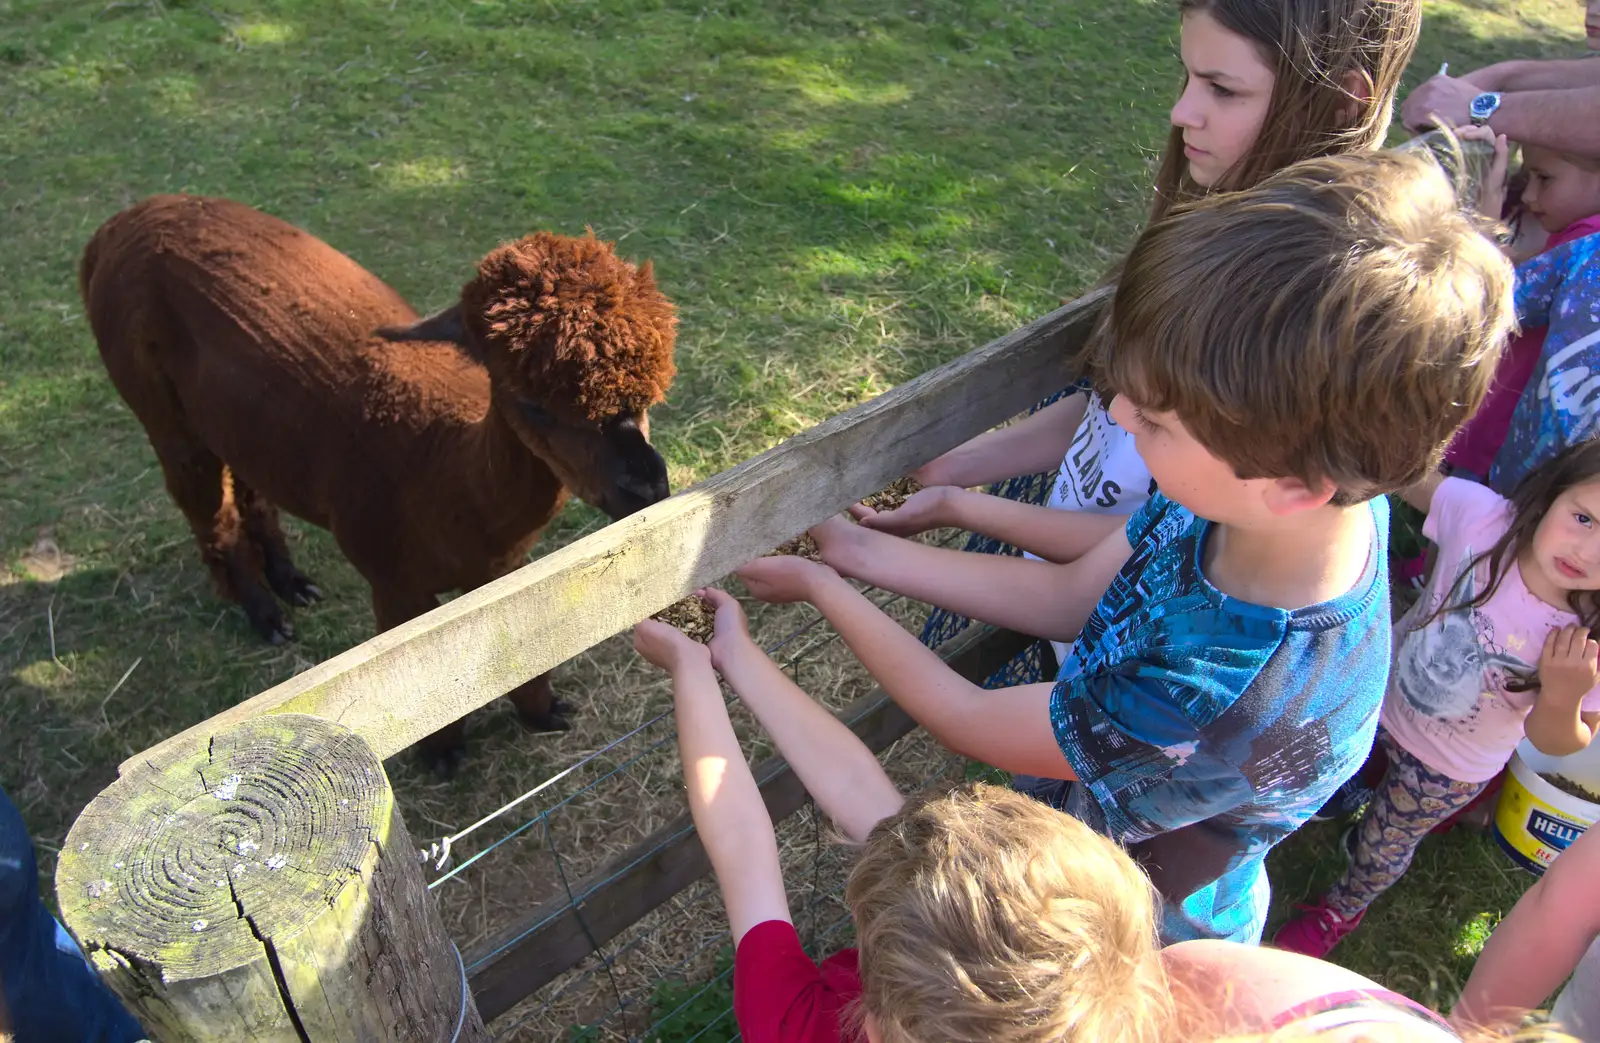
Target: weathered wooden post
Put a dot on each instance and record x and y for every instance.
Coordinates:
(261, 886)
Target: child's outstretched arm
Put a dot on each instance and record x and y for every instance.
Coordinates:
(1538, 943)
(840, 773)
(1568, 669)
(723, 799)
(1053, 535)
(1039, 598)
(1036, 443)
(1008, 728)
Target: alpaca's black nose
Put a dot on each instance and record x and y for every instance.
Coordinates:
(619, 503)
(635, 492)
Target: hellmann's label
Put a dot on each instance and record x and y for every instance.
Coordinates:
(1531, 831)
(1556, 832)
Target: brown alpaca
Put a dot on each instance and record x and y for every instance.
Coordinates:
(270, 370)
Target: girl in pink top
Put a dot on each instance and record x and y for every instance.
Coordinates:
(1499, 646)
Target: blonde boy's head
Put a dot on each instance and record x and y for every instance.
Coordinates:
(1335, 324)
(986, 917)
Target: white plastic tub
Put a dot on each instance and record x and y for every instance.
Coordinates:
(1534, 822)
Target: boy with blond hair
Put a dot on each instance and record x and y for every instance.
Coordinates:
(1285, 355)
(981, 916)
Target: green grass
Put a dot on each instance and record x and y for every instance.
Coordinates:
(839, 194)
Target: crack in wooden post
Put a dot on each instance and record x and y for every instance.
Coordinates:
(259, 885)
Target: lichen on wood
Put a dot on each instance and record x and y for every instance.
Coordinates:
(261, 886)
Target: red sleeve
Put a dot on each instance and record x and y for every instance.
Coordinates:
(780, 996)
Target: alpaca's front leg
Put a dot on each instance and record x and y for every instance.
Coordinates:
(537, 706)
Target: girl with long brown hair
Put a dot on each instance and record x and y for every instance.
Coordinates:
(1268, 82)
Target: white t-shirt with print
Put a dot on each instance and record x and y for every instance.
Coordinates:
(1447, 702)
(1102, 473)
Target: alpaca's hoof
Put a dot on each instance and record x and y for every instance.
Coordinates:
(552, 720)
(304, 593)
(293, 586)
(271, 625)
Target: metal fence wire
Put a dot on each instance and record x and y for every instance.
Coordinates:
(666, 977)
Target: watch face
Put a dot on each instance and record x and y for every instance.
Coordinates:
(1483, 105)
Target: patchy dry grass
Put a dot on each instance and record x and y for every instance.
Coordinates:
(838, 194)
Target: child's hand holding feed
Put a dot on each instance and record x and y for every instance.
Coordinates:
(785, 578)
(666, 646)
(925, 509)
(733, 629)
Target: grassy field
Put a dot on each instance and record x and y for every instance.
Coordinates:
(838, 194)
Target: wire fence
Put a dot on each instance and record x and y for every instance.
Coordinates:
(597, 821)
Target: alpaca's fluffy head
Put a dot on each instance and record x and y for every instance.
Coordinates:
(575, 327)
(578, 345)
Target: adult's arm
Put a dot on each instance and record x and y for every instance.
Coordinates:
(1536, 75)
(1539, 942)
(1561, 119)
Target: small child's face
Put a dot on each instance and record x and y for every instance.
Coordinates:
(1566, 545)
(1225, 102)
(1183, 468)
(1560, 189)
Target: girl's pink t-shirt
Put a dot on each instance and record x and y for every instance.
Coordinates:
(1480, 438)
(1447, 702)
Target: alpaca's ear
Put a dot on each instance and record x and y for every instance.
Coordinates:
(445, 325)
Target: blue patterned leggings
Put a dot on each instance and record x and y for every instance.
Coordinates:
(1411, 800)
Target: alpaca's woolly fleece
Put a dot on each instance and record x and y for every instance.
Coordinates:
(581, 327)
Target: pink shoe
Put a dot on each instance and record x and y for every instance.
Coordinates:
(1315, 930)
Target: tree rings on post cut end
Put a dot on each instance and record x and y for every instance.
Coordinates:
(261, 886)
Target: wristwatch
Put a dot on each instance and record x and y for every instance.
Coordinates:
(1483, 106)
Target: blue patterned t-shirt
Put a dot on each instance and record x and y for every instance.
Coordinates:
(1204, 729)
(1561, 404)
